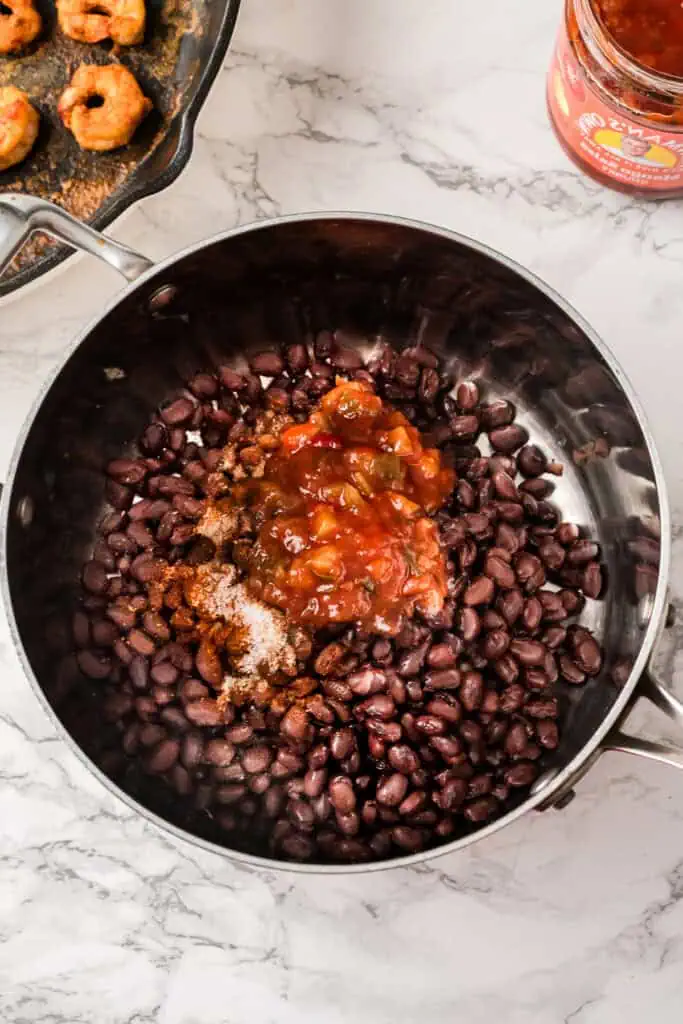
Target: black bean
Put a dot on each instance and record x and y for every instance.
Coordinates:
(239, 734)
(382, 653)
(104, 634)
(553, 608)
(506, 668)
(146, 568)
(492, 619)
(267, 364)
(94, 577)
(532, 614)
(231, 379)
(472, 690)
(500, 571)
(410, 663)
(209, 663)
(389, 732)
(570, 671)
(297, 357)
(380, 705)
(495, 644)
(497, 414)
(431, 725)
(567, 533)
(127, 471)
(467, 497)
(511, 698)
(467, 395)
(588, 655)
(369, 680)
(164, 756)
(452, 794)
(446, 679)
(256, 759)
(508, 439)
(521, 774)
(516, 739)
(94, 664)
(118, 495)
(466, 426)
(203, 712)
(507, 538)
(536, 487)
(341, 794)
(314, 782)
(441, 656)
(409, 839)
(528, 652)
(548, 735)
(593, 581)
(204, 385)
(403, 758)
(447, 707)
(480, 810)
(542, 708)
(179, 411)
(407, 371)
(342, 742)
(510, 604)
(470, 624)
(141, 643)
(531, 461)
(392, 789)
(346, 359)
(536, 679)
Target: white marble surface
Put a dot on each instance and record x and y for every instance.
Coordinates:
(409, 107)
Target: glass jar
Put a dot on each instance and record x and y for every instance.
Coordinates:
(619, 121)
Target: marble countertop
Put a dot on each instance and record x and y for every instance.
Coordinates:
(417, 108)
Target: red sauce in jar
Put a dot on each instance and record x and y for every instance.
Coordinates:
(651, 31)
(344, 535)
(615, 93)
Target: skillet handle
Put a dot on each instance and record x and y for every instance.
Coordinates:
(652, 689)
(21, 215)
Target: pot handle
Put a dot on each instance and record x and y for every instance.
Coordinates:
(21, 215)
(652, 689)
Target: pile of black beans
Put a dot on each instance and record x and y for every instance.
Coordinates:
(384, 746)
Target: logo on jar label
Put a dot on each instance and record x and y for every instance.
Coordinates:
(619, 148)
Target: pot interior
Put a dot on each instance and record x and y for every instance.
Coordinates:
(281, 283)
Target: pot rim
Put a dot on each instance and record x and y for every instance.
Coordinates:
(562, 780)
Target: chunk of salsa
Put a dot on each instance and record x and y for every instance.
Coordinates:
(344, 533)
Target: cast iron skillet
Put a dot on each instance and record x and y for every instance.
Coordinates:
(184, 46)
(277, 282)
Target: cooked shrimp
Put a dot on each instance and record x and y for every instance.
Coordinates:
(18, 126)
(19, 25)
(103, 106)
(91, 21)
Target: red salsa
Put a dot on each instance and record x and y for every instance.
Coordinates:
(344, 532)
(651, 31)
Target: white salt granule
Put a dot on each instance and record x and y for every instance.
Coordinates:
(218, 524)
(258, 644)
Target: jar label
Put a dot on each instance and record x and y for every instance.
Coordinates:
(603, 136)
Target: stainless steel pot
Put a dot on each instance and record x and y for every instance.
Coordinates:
(377, 277)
